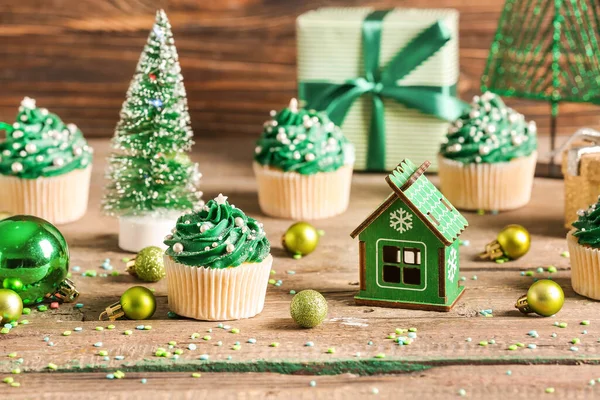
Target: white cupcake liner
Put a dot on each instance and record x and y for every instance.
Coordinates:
(585, 268)
(58, 199)
(488, 186)
(149, 229)
(217, 294)
(297, 196)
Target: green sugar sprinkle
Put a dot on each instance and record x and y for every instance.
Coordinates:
(110, 327)
(549, 390)
(272, 281)
(8, 379)
(379, 355)
(99, 328)
(512, 347)
(103, 353)
(552, 269)
(565, 254)
(235, 330)
(585, 322)
(178, 352)
(528, 273)
(236, 347)
(575, 340)
(26, 311)
(195, 335)
(127, 332)
(66, 333)
(207, 337)
(15, 384)
(412, 329)
(331, 350)
(119, 374)
(4, 330)
(274, 344)
(12, 355)
(16, 371)
(172, 343)
(520, 344)
(196, 375)
(42, 308)
(147, 327)
(562, 325)
(52, 366)
(483, 343)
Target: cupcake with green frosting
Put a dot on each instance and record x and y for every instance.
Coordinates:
(487, 161)
(45, 166)
(218, 263)
(584, 252)
(303, 165)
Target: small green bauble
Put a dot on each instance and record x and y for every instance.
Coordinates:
(11, 306)
(148, 264)
(301, 239)
(34, 257)
(138, 303)
(308, 308)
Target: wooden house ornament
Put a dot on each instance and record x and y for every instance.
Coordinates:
(409, 247)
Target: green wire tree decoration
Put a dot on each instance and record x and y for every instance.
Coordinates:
(148, 170)
(546, 50)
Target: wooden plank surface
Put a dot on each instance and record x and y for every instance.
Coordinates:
(333, 270)
(238, 58)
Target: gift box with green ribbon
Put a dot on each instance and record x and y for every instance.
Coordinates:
(388, 78)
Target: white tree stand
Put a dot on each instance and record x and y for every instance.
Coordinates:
(139, 231)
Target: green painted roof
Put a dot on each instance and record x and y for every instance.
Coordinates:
(428, 201)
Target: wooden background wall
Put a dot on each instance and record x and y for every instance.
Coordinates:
(238, 57)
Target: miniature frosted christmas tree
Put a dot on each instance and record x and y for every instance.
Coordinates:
(546, 50)
(152, 180)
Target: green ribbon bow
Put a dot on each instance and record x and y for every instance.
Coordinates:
(336, 99)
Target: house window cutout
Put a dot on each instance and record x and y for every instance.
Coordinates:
(412, 256)
(411, 276)
(444, 202)
(391, 254)
(391, 274)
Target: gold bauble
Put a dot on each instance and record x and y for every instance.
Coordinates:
(514, 241)
(11, 306)
(545, 297)
(138, 303)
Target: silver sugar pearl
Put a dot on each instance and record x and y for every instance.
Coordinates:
(30, 148)
(58, 162)
(178, 248)
(16, 167)
(309, 157)
(239, 221)
(484, 150)
(204, 228)
(230, 248)
(17, 134)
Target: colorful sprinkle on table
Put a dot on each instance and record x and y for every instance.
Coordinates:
(52, 366)
(98, 344)
(274, 344)
(585, 322)
(204, 357)
(549, 390)
(192, 346)
(462, 392)
(312, 383)
(196, 375)
(330, 350)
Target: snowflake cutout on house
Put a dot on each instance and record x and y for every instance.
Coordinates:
(452, 264)
(401, 220)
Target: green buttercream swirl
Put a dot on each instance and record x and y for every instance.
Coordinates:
(587, 227)
(228, 239)
(39, 144)
(489, 132)
(303, 141)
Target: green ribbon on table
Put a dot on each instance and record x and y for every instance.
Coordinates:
(336, 99)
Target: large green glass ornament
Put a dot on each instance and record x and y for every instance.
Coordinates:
(34, 257)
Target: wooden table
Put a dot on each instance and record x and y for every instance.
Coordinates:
(445, 358)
